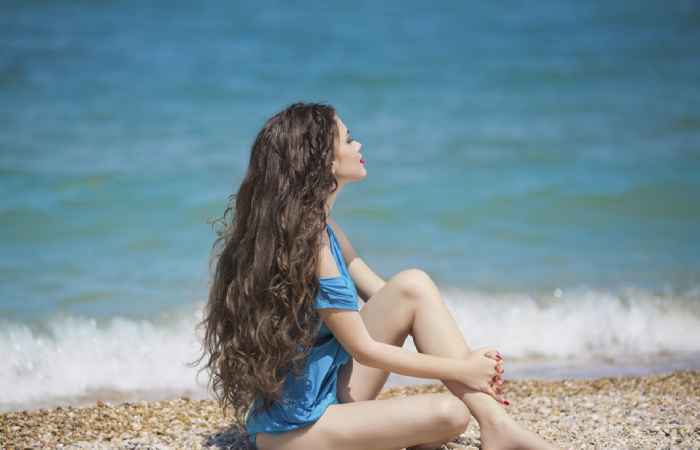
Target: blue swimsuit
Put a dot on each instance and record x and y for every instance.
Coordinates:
(305, 398)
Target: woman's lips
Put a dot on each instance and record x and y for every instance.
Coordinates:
(362, 160)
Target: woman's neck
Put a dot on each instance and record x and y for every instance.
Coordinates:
(330, 202)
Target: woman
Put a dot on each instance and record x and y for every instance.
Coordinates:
(302, 334)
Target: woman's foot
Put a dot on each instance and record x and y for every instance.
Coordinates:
(505, 433)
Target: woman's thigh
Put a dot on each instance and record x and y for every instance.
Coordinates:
(388, 317)
(393, 423)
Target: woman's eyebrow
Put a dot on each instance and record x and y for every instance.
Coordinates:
(347, 132)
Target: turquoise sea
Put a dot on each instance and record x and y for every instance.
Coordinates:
(539, 160)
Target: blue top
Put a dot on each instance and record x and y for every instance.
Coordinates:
(305, 398)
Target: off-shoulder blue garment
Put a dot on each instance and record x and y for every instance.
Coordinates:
(305, 398)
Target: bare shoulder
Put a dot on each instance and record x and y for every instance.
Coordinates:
(327, 266)
(366, 280)
(346, 247)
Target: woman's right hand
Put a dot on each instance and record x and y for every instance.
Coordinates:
(479, 370)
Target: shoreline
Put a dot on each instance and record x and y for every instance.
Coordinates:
(651, 411)
(519, 369)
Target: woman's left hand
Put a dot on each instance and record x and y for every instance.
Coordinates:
(497, 381)
(497, 384)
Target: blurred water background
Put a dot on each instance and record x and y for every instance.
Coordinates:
(540, 161)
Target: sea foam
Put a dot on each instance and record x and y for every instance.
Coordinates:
(69, 357)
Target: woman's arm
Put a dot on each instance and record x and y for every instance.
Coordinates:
(349, 329)
(366, 281)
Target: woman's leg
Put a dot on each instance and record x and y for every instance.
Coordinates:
(388, 424)
(435, 332)
(388, 320)
(409, 303)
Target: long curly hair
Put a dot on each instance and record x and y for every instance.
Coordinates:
(259, 321)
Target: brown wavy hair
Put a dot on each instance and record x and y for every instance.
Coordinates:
(259, 321)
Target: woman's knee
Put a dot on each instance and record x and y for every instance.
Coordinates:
(414, 283)
(452, 414)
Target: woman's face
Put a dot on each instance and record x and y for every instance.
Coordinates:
(348, 164)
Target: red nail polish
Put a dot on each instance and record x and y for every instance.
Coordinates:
(506, 402)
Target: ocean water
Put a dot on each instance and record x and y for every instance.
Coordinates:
(539, 161)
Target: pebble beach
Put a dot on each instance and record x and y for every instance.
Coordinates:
(648, 412)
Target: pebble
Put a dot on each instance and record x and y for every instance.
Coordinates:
(650, 412)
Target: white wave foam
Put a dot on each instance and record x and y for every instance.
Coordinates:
(579, 323)
(75, 355)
